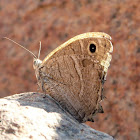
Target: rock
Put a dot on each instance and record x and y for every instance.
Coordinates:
(30, 116)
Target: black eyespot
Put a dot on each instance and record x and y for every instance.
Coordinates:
(92, 48)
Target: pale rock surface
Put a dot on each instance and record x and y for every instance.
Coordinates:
(30, 116)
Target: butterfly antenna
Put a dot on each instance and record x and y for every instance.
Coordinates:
(39, 50)
(21, 46)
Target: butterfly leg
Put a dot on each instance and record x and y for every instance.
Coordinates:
(100, 109)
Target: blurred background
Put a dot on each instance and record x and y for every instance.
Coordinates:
(55, 21)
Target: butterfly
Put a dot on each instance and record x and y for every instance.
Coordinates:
(74, 73)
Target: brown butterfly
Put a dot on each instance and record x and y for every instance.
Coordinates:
(74, 73)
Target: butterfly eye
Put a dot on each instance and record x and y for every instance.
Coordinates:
(92, 48)
(34, 63)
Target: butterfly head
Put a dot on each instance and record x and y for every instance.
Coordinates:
(36, 60)
(36, 63)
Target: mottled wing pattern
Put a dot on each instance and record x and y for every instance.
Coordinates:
(74, 76)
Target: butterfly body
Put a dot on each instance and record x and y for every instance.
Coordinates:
(74, 74)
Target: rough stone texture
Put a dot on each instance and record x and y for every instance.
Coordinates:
(30, 116)
(54, 22)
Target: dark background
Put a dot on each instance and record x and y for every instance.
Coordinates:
(55, 21)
